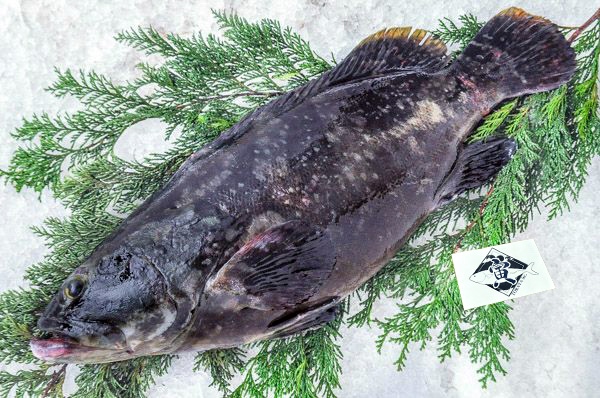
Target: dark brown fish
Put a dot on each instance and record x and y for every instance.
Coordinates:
(261, 233)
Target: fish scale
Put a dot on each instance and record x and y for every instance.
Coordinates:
(261, 233)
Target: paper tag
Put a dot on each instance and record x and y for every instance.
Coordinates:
(500, 273)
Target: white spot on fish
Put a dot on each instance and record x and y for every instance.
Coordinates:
(210, 221)
(426, 114)
(414, 145)
(398, 131)
(424, 183)
(348, 173)
(332, 137)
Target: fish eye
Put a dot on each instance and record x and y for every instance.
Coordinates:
(74, 288)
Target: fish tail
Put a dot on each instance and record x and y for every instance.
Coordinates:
(516, 53)
(531, 270)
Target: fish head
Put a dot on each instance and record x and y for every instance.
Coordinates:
(115, 308)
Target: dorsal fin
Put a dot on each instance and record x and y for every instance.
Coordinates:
(387, 51)
(390, 50)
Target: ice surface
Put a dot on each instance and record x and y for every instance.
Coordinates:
(556, 352)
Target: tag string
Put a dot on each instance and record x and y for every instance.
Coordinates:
(472, 223)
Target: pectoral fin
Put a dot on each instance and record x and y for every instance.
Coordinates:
(277, 269)
(477, 164)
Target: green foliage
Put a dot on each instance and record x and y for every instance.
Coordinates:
(303, 366)
(127, 379)
(26, 383)
(451, 33)
(200, 87)
(222, 366)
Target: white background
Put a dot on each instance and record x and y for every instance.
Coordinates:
(556, 352)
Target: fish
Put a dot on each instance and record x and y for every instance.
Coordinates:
(263, 232)
(496, 278)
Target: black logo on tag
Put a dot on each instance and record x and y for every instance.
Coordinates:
(501, 272)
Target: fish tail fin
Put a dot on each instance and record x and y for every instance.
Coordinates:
(518, 53)
(531, 270)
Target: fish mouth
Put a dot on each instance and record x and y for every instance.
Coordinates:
(77, 341)
(62, 349)
(55, 348)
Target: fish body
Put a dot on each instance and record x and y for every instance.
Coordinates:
(261, 233)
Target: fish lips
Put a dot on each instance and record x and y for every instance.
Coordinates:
(73, 342)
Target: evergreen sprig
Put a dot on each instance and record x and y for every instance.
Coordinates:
(201, 87)
(460, 34)
(303, 366)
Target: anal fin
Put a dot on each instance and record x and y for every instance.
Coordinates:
(477, 164)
